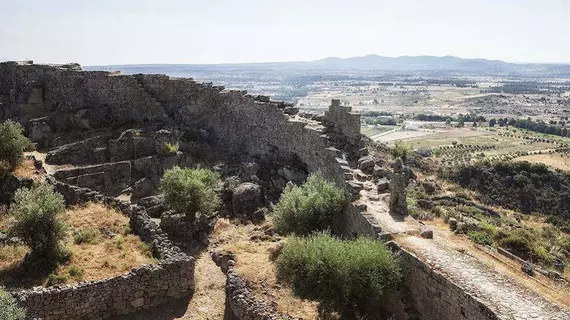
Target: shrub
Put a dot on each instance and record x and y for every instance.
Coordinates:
(403, 150)
(170, 148)
(541, 254)
(190, 191)
(76, 272)
(36, 212)
(91, 235)
(342, 275)
(9, 309)
(12, 144)
(519, 240)
(480, 238)
(55, 278)
(309, 207)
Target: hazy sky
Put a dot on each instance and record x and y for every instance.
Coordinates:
(214, 31)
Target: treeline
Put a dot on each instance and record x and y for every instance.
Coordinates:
(529, 87)
(385, 121)
(555, 128)
(523, 186)
(459, 118)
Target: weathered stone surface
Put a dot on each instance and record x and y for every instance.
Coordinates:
(143, 188)
(40, 132)
(366, 164)
(247, 198)
(398, 184)
(427, 233)
(9, 184)
(383, 186)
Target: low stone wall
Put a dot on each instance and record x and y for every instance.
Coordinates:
(142, 287)
(240, 301)
(427, 294)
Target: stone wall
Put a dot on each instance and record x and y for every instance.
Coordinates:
(142, 287)
(428, 294)
(241, 302)
(82, 99)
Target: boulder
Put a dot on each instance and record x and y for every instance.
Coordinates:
(383, 185)
(248, 171)
(9, 184)
(143, 188)
(427, 233)
(453, 224)
(40, 132)
(366, 164)
(247, 198)
(291, 110)
(165, 142)
(379, 172)
(294, 175)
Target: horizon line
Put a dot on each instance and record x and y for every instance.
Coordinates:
(321, 59)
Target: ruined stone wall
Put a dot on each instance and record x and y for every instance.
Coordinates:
(82, 99)
(142, 287)
(241, 302)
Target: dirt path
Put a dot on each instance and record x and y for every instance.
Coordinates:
(207, 303)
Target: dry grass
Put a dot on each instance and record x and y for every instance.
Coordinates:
(11, 255)
(254, 264)
(553, 160)
(111, 252)
(27, 170)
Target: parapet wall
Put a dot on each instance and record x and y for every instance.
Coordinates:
(141, 288)
(428, 294)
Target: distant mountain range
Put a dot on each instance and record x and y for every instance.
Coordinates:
(370, 63)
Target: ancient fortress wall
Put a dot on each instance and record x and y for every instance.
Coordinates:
(428, 294)
(78, 100)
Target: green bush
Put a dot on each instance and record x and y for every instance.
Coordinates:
(76, 272)
(190, 191)
(309, 207)
(36, 212)
(55, 278)
(342, 275)
(519, 240)
(12, 144)
(480, 238)
(403, 150)
(91, 235)
(9, 309)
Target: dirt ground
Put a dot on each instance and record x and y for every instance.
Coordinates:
(553, 160)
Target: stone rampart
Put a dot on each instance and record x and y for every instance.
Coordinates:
(428, 294)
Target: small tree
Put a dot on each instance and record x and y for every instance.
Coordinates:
(309, 207)
(9, 309)
(190, 191)
(12, 144)
(37, 224)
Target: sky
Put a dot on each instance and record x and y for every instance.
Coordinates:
(103, 32)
